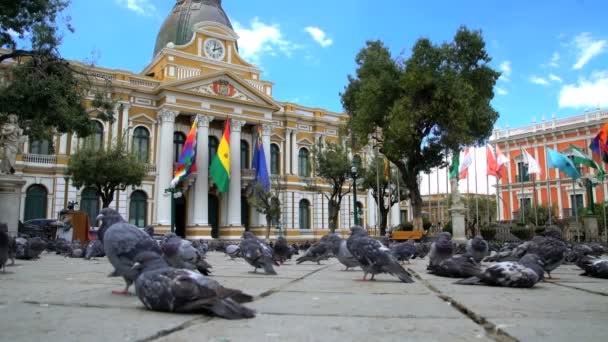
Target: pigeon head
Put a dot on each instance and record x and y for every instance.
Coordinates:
(248, 235)
(444, 246)
(149, 229)
(357, 230)
(478, 244)
(444, 235)
(533, 262)
(108, 217)
(148, 260)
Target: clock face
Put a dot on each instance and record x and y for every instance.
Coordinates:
(214, 49)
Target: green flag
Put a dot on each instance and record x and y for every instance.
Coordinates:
(455, 165)
(579, 157)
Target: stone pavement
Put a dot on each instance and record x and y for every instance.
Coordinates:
(61, 299)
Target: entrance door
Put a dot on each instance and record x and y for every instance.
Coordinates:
(180, 216)
(213, 210)
(245, 213)
(35, 203)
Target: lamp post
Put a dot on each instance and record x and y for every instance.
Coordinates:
(175, 193)
(353, 173)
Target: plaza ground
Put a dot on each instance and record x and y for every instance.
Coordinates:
(62, 299)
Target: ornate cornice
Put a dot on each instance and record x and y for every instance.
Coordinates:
(167, 115)
(267, 129)
(236, 125)
(204, 120)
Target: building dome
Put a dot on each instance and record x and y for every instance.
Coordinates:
(178, 27)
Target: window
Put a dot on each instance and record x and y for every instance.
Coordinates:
(213, 144)
(35, 202)
(141, 139)
(96, 138)
(304, 214)
(360, 213)
(303, 163)
(579, 168)
(90, 204)
(138, 209)
(179, 139)
(577, 204)
(40, 147)
(522, 172)
(244, 155)
(357, 162)
(275, 156)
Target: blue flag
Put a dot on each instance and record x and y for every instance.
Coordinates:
(259, 163)
(563, 163)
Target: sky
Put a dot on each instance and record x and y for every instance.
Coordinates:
(552, 54)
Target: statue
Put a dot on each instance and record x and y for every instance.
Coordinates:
(456, 198)
(10, 135)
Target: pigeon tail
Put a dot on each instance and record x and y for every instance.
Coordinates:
(269, 269)
(469, 281)
(303, 258)
(400, 272)
(229, 309)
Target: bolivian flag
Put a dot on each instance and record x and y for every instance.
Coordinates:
(187, 159)
(220, 166)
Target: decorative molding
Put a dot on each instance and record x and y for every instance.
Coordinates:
(236, 125)
(204, 120)
(222, 87)
(167, 115)
(267, 129)
(138, 117)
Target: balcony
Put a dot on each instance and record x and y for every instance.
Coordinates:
(41, 159)
(150, 168)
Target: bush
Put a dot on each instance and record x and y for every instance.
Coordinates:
(405, 226)
(522, 233)
(448, 227)
(426, 223)
(488, 233)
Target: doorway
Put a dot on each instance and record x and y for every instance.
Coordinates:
(214, 215)
(180, 216)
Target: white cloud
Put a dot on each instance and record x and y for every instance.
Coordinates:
(505, 69)
(501, 91)
(555, 78)
(554, 60)
(319, 36)
(538, 80)
(587, 48)
(261, 39)
(587, 93)
(142, 7)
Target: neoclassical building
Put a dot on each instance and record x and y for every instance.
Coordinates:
(196, 71)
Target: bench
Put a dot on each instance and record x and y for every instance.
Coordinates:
(407, 235)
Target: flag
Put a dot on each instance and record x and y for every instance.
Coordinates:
(599, 144)
(533, 166)
(579, 157)
(187, 159)
(220, 166)
(496, 162)
(455, 165)
(259, 163)
(464, 166)
(563, 163)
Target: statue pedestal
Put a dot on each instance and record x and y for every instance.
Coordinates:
(458, 227)
(10, 201)
(591, 228)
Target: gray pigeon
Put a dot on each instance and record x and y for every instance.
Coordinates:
(149, 229)
(525, 273)
(321, 250)
(593, 267)
(121, 243)
(551, 251)
(21, 248)
(163, 288)
(5, 241)
(233, 251)
(180, 253)
(345, 257)
(257, 253)
(457, 266)
(77, 250)
(94, 250)
(404, 251)
(281, 250)
(373, 256)
(442, 248)
(478, 248)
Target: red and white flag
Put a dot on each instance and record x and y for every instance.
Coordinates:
(496, 162)
(533, 166)
(463, 168)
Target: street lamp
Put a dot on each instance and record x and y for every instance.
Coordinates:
(353, 172)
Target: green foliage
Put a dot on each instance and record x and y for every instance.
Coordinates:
(448, 227)
(435, 101)
(426, 223)
(488, 233)
(523, 233)
(542, 212)
(484, 204)
(267, 203)
(405, 226)
(105, 170)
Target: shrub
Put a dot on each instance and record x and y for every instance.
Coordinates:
(405, 226)
(448, 227)
(522, 233)
(426, 223)
(488, 233)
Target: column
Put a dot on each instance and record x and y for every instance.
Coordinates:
(115, 132)
(294, 154)
(165, 165)
(287, 151)
(201, 187)
(125, 122)
(234, 193)
(266, 133)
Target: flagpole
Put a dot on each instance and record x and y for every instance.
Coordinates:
(578, 238)
(399, 193)
(604, 210)
(548, 179)
(447, 182)
(468, 201)
(476, 193)
(429, 195)
(438, 202)
(535, 206)
(488, 194)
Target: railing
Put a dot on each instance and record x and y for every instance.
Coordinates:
(150, 168)
(102, 75)
(183, 72)
(257, 85)
(142, 83)
(47, 159)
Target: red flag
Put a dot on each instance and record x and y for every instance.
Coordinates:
(496, 162)
(491, 161)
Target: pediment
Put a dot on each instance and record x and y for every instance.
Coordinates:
(305, 141)
(225, 85)
(142, 118)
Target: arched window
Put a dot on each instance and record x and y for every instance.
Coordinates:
(179, 139)
(303, 163)
(96, 138)
(304, 214)
(35, 202)
(40, 147)
(275, 157)
(213, 144)
(244, 155)
(138, 209)
(141, 139)
(90, 203)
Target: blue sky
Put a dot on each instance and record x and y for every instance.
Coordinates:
(553, 54)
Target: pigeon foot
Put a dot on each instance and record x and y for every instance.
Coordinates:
(120, 292)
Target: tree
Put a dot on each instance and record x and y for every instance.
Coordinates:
(433, 102)
(105, 170)
(333, 167)
(267, 203)
(383, 188)
(45, 91)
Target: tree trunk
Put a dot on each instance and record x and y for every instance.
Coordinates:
(334, 211)
(268, 222)
(383, 221)
(415, 199)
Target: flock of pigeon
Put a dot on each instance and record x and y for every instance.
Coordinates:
(173, 275)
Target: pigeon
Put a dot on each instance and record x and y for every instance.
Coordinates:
(321, 250)
(593, 267)
(77, 250)
(94, 250)
(478, 248)
(30, 249)
(374, 257)
(457, 266)
(163, 288)
(233, 251)
(63, 246)
(552, 252)
(180, 253)
(422, 249)
(257, 253)
(597, 249)
(121, 243)
(281, 250)
(404, 251)
(574, 254)
(508, 252)
(149, 229)
(344, 256)
(441, 249)
(5, 241)
(523, 274)
(21, 246)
